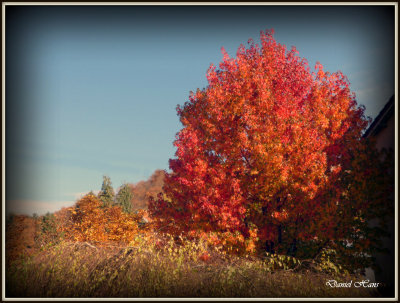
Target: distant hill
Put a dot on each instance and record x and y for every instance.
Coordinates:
(144, 189)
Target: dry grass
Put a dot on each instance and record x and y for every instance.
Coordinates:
(160, 270)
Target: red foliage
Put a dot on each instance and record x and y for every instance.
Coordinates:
(265, 145)
(204, 257)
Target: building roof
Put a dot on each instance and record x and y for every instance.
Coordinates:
(380, 121)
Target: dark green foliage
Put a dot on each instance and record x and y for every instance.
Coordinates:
(124, 198)
(48, 234)
(107, 194)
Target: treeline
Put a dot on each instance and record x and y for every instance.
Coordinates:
(131, 197)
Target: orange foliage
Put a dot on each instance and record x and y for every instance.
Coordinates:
(144, 189)
(20, 237)
(89, 221)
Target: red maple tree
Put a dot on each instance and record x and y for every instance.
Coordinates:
(269, 155)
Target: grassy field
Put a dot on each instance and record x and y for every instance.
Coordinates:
(161, 270)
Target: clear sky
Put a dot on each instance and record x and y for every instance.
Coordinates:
(93, 90)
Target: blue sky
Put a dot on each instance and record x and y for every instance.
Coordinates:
(92, 91)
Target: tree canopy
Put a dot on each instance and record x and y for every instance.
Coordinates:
(271, 156)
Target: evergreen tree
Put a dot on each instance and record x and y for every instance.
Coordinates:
(106, 194)
(124, 198)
